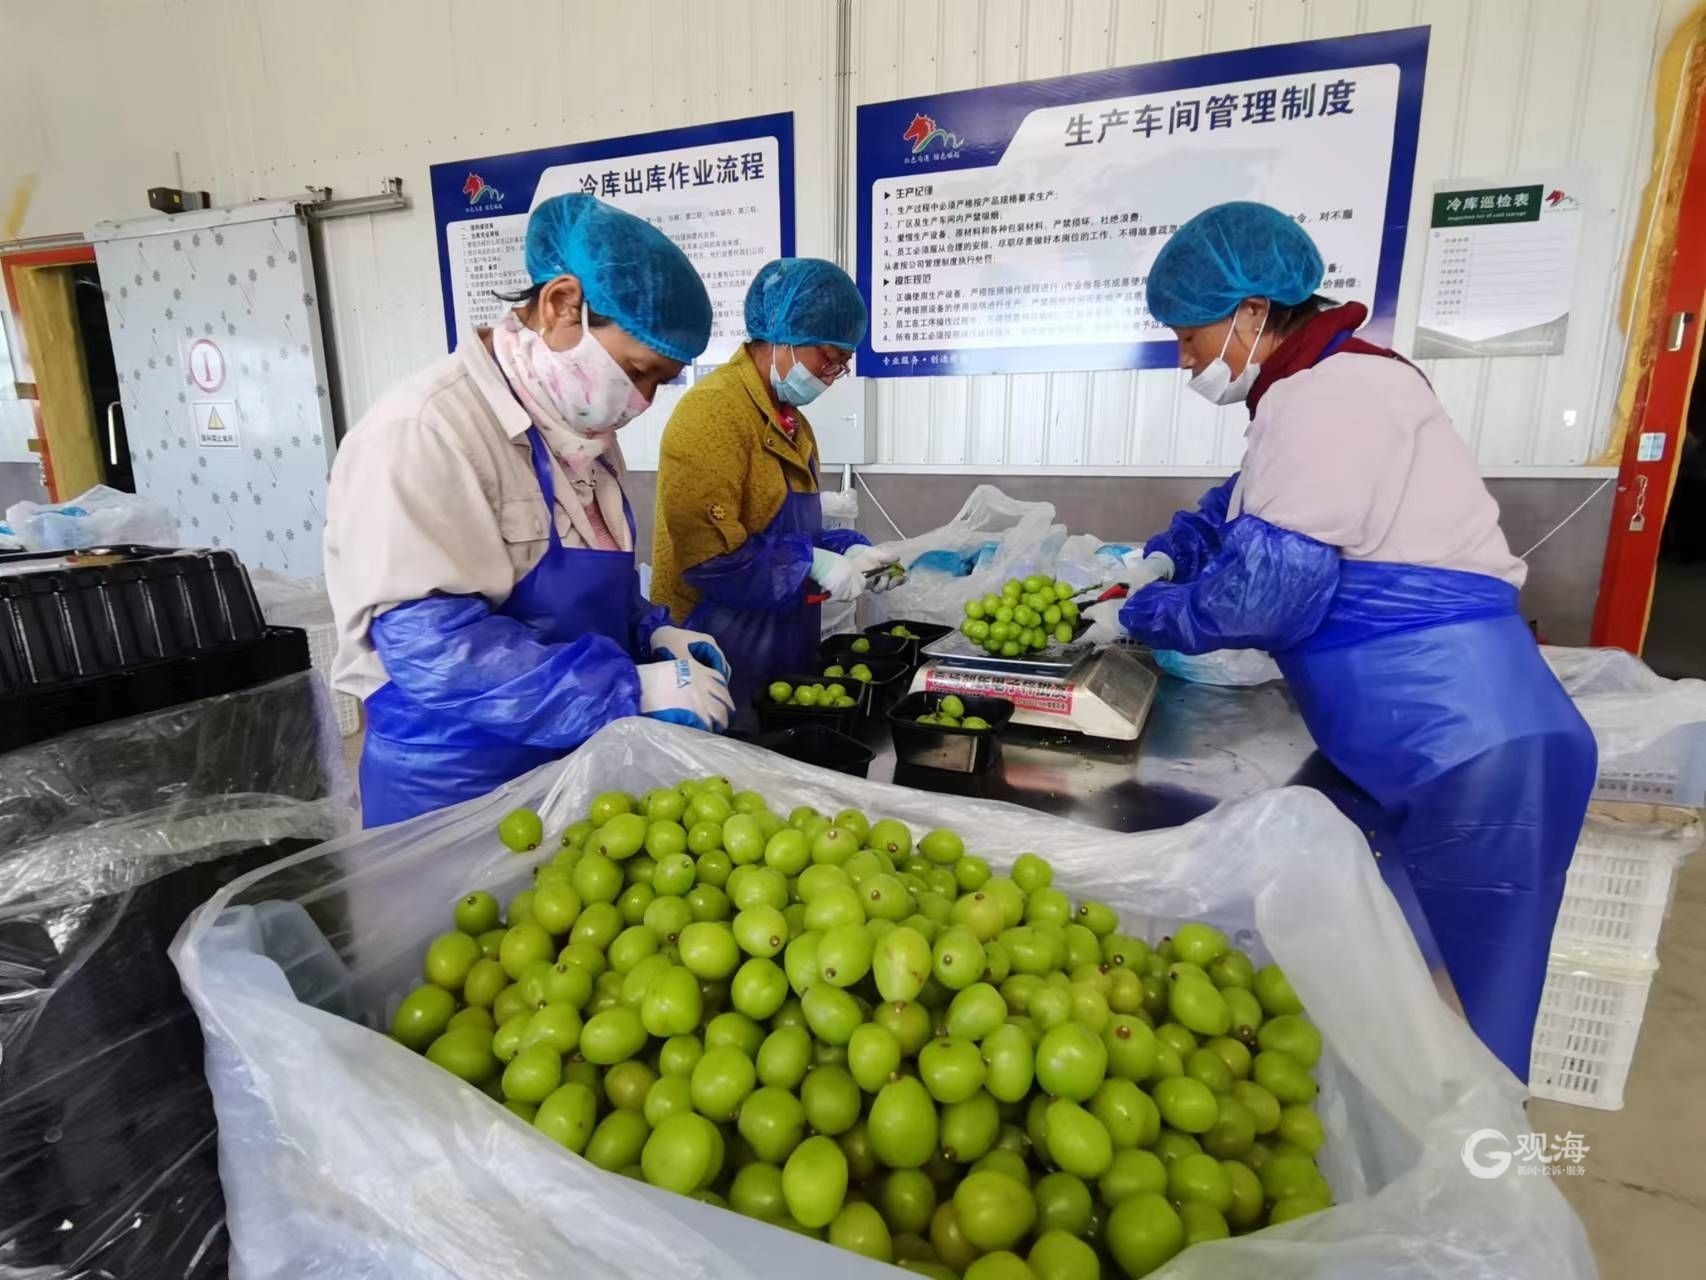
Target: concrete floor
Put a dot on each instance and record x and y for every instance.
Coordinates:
(1643, 1195)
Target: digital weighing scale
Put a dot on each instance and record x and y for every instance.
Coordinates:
(1104, 694)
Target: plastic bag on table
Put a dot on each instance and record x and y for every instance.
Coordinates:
(345, 1154)
(1628, 705)
(1080, 561)
(98, 517)
(109, 837)
(993, 538)
(1230, 667)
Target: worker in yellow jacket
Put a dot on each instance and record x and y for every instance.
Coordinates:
(738, 548)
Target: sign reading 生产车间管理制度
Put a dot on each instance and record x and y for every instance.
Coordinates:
(1012, 228)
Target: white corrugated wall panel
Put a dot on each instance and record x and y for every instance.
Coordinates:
(261, 98)
(1512, 86)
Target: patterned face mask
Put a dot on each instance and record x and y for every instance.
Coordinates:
(582, 391)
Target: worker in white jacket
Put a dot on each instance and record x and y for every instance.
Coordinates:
(479, 547)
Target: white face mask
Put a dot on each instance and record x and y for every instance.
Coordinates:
(1216, 383)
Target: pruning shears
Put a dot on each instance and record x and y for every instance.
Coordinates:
(872, 577)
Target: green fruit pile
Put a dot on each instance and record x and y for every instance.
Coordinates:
(820, 1023)
(811, 695)
(1029, 615)
(950, 713)
(858, 671)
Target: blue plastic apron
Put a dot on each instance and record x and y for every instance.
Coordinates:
(415, 759)
(1426, 689)
(764, 643)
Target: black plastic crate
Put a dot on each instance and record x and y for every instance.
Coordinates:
(70, 616)
(780, 715)
(887, 682)
(931, 746)
(839, 648)
(35, 714)
(925, 633)
(813, 744)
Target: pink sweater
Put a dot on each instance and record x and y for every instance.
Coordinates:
(1358, 453)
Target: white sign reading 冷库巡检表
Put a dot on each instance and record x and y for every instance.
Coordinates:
(1501, 269)
(1013, 228)
(722, 192)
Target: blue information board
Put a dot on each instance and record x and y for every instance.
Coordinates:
(1011, 228)
(724, 192)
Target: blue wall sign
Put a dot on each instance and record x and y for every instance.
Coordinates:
(724, 192)
(1011, 228)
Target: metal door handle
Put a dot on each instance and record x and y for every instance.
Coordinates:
(1679, 322)
(112, 435)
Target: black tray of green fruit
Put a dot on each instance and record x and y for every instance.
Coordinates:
(957, 732)
(807, 698)
(873, 682)
(856, 646)
(915, 635)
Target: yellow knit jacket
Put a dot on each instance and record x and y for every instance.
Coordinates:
(724, 469)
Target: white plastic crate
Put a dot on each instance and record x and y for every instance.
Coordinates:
(1584, 1038)
(322, 648)
(1651, 731)
(1620, 882)
(302, 602)
(1671, 771)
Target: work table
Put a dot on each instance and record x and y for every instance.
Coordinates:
(1200, 745)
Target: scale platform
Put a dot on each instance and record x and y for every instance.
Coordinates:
(1074, 688)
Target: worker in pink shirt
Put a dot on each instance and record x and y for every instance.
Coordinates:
(1359, 546)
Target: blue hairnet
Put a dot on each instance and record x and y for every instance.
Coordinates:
(803, 302)
(1229, 253)
(628, 269)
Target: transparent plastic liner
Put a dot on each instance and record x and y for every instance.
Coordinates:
(344, 1154)
(109, 837)
(1629, 707)
(1000, 536)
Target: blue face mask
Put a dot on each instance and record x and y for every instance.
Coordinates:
(800, 387)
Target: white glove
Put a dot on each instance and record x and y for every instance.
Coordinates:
(836, 575)
(1142, 569)
(678, 642)
(1104, 620)
(682, 691)
(866, 559)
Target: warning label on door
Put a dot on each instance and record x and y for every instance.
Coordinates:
(216, 424)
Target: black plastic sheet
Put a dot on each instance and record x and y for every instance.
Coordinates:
(109, 837)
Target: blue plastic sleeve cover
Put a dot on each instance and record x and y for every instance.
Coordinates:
(840, 541)
(1193, 539)
(454, 656)
(646, 616)
(1269, 588)
(767, 572)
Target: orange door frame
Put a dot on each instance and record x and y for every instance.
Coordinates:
(1660, 408)
(9, 263)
